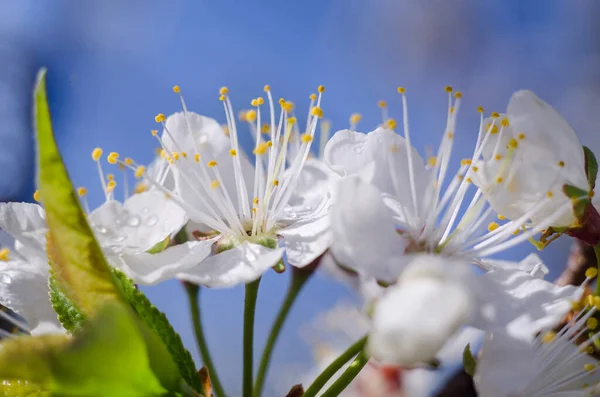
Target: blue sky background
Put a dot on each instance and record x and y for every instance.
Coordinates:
(112, 65)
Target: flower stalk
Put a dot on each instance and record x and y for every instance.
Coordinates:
(248, 355)
(348, 376)
(193, 292)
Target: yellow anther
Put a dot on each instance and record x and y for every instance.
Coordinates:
(493, 129)
(175, 156)
(401, 90)
(276, 182)
(159, 118)
(81, 191)
(592, 323)
(321, 89)
(460, 177)
(480, 109)
(214, 184)
(561, 164)
(468, 180)
(597, 302)
(317, 112)
(267, 88)
(110, 186)
(163, 153)
(452, 109)
(590, 300)
(128, 161)
(232, 152)
(224, 91)
(281, 101)
(499, 179)
(465, 162)
(458, 95)
(391, 124)
(113, 157)
(451, 135)
(521, 136)
(154, 132)
(110, 177)
(254, 102)
(355, 118)
(266, 128)
(513, 143)
(269, 143)
(4, 254)
(501, 217)
(36, 195)
(176, 89)
(260, 100)
(495, 115)
(590, 350)
(448, 88)
(139, 171)
(382, 104)
(140, 188)
(96, 154)
(255, 201)
(516, 232)
(197, 157)
(548, 336)
(291, 120)
(250, 115)
(549, 194)
(576, 306)
(589, 367)
(313, 97)
(225, 130)
(288, 106)
(306, 138)
(212, 163)
(498, 157)
(121, 166)
(591, 272)
(260, 149)
(221, 98)
(184, 155)
(493, 226)
(475, 169)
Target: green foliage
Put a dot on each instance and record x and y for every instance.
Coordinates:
(591, 167)
(68, 315)
(158, 322)
(160, 246)
(21, 389)
(573, 192)
(108, 357)
(76, 259)
(469, 362)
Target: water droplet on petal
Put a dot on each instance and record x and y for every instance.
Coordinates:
(5, 279)
(145, 210)
(152, 220)
(101, 230)
(133, 221)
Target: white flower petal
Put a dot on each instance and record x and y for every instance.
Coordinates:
(416, 317)
(144, 220)
(505, 365)
(304, 243)
(149, 269)
(25, 222)
(24, 289)
(364, 237)
(520, 304)
(532, 264)
(239, 265)
(207, 135)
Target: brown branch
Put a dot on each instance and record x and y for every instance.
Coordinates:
(582, 257)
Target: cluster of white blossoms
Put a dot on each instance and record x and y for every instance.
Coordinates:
(370, 205)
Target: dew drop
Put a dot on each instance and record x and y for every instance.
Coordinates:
(101, 230)
(133, 221)
(5, 279)
(152, 220)
(145, 210)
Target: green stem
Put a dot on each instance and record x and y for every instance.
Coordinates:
(334, 367)
(299, 278)
(597, 252)
(193, 292)
(249, 309)
(348, 376)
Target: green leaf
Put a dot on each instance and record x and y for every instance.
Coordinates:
(158, 322)
(76, 259)
(21, 389)
(469, 362)
(109, 357)
(68, 315)
(591, 167)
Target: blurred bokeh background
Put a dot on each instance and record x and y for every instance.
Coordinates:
(112, 65)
